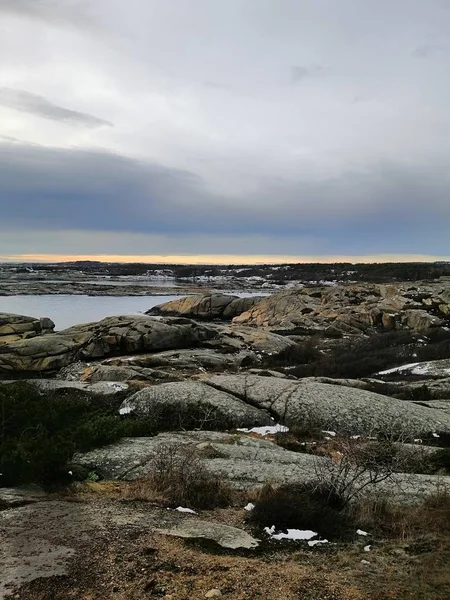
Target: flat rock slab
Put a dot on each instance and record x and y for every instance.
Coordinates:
(41, 540)
(102, 388)
(242, 460)
(224, 535)
(19, 496)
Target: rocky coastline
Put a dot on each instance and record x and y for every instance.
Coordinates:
(217, 375)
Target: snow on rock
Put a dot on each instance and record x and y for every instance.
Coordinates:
(125, 410)
(181, 509)
(361, 532)
(267, 430)
(416, 369)
(313, 543)
(250, 506)
(367, 548)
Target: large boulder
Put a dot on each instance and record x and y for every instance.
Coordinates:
(343, 409)
(206, 306)
(195, 404)
(16, 327)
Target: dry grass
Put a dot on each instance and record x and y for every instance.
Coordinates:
(403, 523)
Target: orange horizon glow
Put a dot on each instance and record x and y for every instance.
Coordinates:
(221, 259)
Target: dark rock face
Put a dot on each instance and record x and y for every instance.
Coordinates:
(17, 327)
(208, 307)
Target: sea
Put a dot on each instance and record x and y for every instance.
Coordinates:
(68, 310)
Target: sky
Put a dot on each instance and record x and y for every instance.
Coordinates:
(253, 129)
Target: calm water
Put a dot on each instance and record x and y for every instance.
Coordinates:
(68, 310)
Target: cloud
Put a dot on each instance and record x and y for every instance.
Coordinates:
(426, 50)
(42, 107)
(299, 73)
(357, 212)
(69, 12)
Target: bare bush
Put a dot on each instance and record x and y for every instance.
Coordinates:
(179, 475)
(356, 466)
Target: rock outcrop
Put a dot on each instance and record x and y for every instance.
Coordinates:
(346, 410)
(206, 307)
(18, 327)
(353, 308)
(110, 337)
(223, 347)
(212, 408)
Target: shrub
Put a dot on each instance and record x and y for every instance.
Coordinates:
(364, 356)
(179, 475)
(441, 459)
(39, 433)
(314, 505)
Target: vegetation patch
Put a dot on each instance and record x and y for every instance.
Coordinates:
(365, 356)
(179, 477)
(313, 505)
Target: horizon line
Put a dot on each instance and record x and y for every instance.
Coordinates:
(223, 259)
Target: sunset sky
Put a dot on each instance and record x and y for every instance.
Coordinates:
(213, 131)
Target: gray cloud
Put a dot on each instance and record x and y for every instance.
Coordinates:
(42, 107)
(69, 12)
(59, 189)
(299, 73)
(426, 50)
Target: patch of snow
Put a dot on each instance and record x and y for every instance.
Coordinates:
(367, 548)
(181, 509)
(292, 534)
(267, 430)
(312, 543)
(361, 532)
(355, 437)
(416, 368)
(119, 387)
(436, 435)
(249, 507)
(331, 433)
(126, 410)
(365, 562)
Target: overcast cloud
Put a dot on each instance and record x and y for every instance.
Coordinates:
(246, 126)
